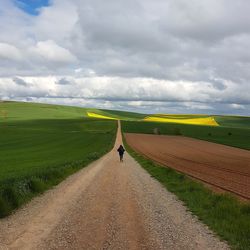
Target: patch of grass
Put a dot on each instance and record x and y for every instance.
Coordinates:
(17, 191)
(224, 215)
(236, 137)
(177, 131)
(234, 121)
(21, 111)
(123, 115)
(36, 154)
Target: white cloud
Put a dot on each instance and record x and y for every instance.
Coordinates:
(237, 106)
(133, 90)
(52, 52)
(10, 52)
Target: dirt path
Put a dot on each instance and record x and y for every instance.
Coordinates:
(107, 205)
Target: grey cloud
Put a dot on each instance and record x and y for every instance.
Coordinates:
(217, 84)
(64, 81)
(20, 81)
(207, 21)
(127, 44)
(130, 38)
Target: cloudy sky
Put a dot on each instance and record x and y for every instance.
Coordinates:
(153, 56)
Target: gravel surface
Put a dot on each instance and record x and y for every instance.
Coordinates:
(108, 205)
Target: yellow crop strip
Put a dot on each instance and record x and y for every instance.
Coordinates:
(176, 116)
(90, 114)
(195, 121)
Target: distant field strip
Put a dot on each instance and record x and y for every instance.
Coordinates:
(90, 114)
(194, 121)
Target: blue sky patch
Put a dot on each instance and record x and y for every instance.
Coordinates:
(31, 6)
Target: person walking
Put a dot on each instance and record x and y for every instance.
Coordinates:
(121, 151)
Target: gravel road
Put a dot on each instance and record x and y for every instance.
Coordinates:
(107, 205)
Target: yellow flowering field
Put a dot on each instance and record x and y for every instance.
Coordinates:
(90, 114)
(195, 121)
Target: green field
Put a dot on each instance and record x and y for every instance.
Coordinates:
(233, 132)
(42, 144)
(21, 111)
(13, 111)
(122, 115)
(27, 147)
(234, 121)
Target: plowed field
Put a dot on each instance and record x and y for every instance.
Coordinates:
(221, 166)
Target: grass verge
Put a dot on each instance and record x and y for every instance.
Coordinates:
(223, 214)
(15, 192)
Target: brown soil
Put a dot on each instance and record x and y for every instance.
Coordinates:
(222, 166)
